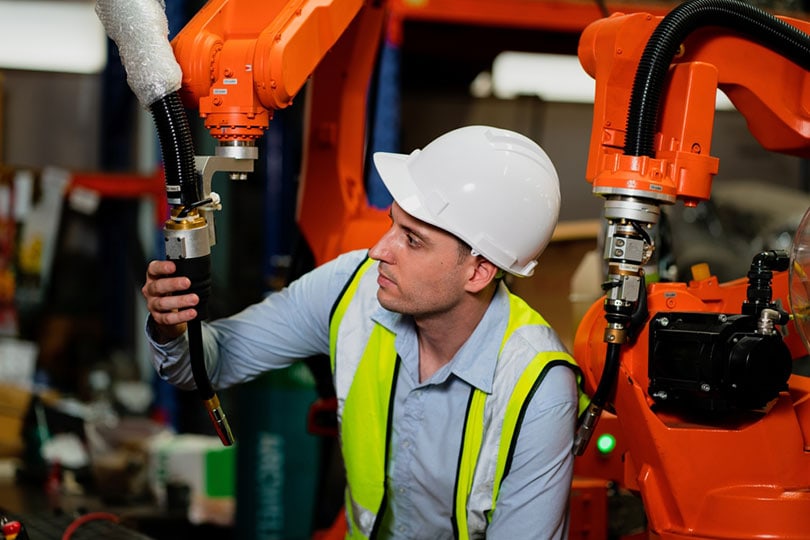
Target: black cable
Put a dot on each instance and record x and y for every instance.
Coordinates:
(188, 208)
(754, 23)
(174, 134)
(198, 369)
(609, 372)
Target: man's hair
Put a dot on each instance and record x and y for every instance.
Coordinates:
(465, 250)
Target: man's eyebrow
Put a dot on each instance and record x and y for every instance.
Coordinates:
(410, 230)
(415, 233)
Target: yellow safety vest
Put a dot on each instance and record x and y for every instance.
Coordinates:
(364, 366)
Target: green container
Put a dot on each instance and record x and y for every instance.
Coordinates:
(276, 459)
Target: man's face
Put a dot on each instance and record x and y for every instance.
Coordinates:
(421, 272)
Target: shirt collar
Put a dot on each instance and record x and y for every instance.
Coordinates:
(476, 360)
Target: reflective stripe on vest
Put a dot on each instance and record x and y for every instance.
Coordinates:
(364, 365)
(493, 421)
(363, 383)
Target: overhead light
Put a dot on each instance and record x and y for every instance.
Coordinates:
(63, 36)
(551, 77)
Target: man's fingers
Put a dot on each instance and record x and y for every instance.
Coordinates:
(158, 269)
(171, 303)
(167, 286)
(172, 318)
(169, 308)
(158, 280)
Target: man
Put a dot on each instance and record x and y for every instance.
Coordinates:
(456, 401)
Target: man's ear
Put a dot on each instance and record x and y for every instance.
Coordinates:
(483, 273)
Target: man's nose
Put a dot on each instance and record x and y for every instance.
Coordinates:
(380, 251)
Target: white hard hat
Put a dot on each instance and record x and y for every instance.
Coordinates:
(495, 189)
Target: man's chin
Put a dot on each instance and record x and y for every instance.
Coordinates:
(386, 301)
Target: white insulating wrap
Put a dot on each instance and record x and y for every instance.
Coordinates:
(141, 31)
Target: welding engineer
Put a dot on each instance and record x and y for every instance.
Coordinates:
(457, 402)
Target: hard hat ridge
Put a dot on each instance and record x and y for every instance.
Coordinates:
(493, 188)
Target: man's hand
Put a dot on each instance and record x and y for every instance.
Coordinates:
(170, 311)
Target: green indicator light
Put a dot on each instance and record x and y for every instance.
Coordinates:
(606, 443)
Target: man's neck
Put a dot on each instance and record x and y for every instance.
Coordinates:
(442, 335)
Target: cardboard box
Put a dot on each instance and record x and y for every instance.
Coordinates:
(13, 408)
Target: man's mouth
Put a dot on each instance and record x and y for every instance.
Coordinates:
(384, 281)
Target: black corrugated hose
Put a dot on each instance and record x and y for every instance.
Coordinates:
(749, 20)
(183, 186)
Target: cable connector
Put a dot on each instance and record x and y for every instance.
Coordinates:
(586, 428)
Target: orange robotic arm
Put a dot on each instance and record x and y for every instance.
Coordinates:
(715, 426)
(656, 85)
(769, 89)
(243, 59)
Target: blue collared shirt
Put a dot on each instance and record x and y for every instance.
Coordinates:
(428, 416)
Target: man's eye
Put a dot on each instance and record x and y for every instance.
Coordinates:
(412, 241)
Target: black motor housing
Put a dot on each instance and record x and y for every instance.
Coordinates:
(715, 362)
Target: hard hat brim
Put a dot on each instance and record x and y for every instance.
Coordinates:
(393, 169)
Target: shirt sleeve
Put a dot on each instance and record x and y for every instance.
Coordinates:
(533, 499)
(286, 326)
